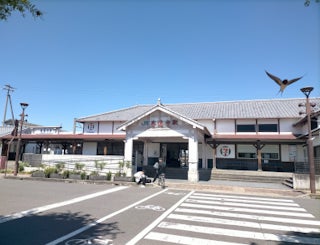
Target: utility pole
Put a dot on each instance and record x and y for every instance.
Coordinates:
(306, 91)
(8, 99)
(16, 169)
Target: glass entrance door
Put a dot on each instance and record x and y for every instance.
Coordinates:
(170, 152)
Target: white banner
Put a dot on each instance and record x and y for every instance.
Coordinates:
(226, 151)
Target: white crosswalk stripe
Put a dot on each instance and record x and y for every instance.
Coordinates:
(207, 218)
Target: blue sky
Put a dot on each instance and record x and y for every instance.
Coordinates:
(89, 57)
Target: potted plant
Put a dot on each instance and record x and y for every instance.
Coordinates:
(39, 173)
(121, 175)
(49, 171)
(58, 173)
(95, 175)
(78, 173)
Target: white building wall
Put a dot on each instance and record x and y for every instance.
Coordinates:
(116, 125)
(245, 121)
(209, 124)
(90, 127)
(286, 126)
(225, 126)
(292, 153)
(267, 121)
(102, 128)
(106, 127)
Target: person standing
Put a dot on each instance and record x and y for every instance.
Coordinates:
(159, 169)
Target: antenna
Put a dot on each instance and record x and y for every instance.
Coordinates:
(9, 90)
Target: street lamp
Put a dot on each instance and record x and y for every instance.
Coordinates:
(307, 91)
(23, 106)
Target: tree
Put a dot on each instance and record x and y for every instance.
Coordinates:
(23, 6)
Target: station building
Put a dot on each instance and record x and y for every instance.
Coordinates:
(261, 135)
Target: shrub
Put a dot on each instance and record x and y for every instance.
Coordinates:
(65, 174)
(22, 165)
(79, 166)
(109, 175)
(50, 170)
(83, 175)
(99, 165)
(94, 173)
(60, 167)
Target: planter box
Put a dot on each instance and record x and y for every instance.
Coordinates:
(38, 174)
(56, 176)
(97, 177)
(122, 178)
(75, 176)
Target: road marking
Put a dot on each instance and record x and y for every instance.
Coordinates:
(186, 240)
(250, 216)
(234, 199)
(151, 207)
(298, 209)
(139, 236)
(247, 219)
(245, 197)
(59, 204)
(247, 224)
(247, 210)
(84, 228)
(241, 234)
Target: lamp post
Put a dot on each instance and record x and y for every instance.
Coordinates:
(23, 106)
(307, 91)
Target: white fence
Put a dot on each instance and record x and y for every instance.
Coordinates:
(89, 164)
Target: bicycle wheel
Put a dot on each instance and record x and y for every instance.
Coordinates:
(163, 183)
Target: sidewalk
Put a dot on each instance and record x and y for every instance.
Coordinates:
(220, 186)
(239, 187)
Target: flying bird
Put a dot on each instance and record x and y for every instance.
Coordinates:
(282, 83)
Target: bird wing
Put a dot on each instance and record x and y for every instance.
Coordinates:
(274, 78)
(293, 80)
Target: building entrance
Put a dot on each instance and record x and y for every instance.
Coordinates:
(171, 152)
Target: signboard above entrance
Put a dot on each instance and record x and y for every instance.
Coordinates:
(159, 123)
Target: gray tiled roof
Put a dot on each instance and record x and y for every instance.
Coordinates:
(5, 130)
(276, 108)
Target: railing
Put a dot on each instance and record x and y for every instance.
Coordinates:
(303, 167)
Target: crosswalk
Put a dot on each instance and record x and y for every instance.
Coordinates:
(208, 218)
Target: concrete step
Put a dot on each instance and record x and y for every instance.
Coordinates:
(248, 179)
(250, 176)
(219, 174)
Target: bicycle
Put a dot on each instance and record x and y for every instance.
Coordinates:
(162, 180)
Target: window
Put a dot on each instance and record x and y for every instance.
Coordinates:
(270, 152)
(271, 156)
(246, 151)
(246, 128)
(268, 127)
(314, 123)
(247, 155)
(110, 148)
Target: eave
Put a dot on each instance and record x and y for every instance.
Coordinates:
(67, 137)
(242, 138)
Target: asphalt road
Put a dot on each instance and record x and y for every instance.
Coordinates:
(39, 212)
